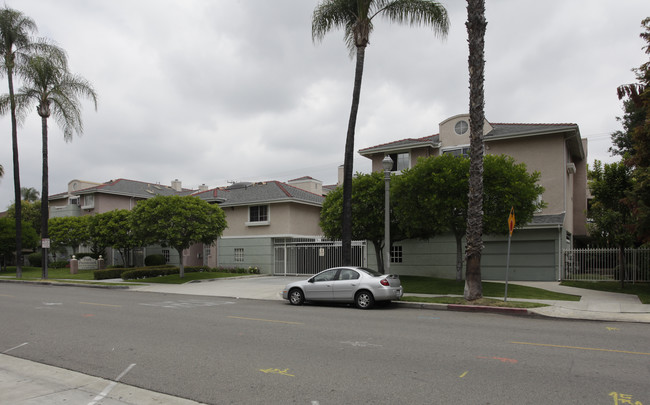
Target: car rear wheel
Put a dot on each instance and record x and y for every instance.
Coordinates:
(296, 296)
(364, 300)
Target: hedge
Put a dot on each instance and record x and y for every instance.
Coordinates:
(165, 270)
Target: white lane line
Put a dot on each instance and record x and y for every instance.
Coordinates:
(16, 347)
(110, 386)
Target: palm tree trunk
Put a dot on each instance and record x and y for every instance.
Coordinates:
(476, 37)
(45, 213)
(346, 225)
(459, 257)
(18, 203)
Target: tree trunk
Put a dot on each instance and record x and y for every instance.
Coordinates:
(459, 257)
(17, 199)
(45, 213)
(181, 267)
(346, 225)
(379, 253)
(476, 37)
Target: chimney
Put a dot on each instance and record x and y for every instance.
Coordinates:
(340, 176)
(176, 185)
(203, 187)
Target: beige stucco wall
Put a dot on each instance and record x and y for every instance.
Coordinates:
(580, 195)
(284, 219)
(449, 137)
(543, 154)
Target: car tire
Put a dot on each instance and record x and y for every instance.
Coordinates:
(296, 296)
(364, 300)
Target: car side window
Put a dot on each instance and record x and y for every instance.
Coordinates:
(326, 276)
(347, 274)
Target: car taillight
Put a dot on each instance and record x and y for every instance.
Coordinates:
(384, 282)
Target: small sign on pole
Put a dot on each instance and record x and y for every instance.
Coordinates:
(45, 243)
(511, 227)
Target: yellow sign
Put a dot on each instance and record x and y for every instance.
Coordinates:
(511, 220)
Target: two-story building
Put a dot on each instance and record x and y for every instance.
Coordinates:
(555, 150)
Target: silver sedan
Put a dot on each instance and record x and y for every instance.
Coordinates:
(357, 285)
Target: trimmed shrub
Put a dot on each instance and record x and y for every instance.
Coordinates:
(146, 272)
(35, 259)
(155, 260)
(108, 273)
(59, 264)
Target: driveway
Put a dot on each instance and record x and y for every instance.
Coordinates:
(262, 287)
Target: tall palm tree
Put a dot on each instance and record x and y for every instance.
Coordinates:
(29, 194)
(55, 91)
(356, 17)
(476, 25)
(15, 39)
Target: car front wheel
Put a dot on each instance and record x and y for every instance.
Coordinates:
(364, 300)
(296, 297)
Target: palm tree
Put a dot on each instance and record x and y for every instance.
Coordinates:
(15, 30)
(29, 194)
(476, 33)
(55, 91)
(355, 17)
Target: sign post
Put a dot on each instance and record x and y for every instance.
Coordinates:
(511, 227)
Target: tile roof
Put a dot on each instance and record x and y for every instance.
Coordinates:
(125, 187)
(403, 143)
(261, 192)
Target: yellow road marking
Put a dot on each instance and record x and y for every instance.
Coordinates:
(100, 305)
(266, 320)
(464, 374)
(581, 348)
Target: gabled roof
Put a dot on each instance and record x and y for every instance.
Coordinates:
(260, 193)
(432, 141)
(499, 131)
(124, 187)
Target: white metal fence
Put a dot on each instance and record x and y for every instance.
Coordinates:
(303, 257)
(603, 265)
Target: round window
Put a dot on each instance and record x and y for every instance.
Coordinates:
(461, 127)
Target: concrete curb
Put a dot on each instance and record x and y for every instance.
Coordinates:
(465, 308)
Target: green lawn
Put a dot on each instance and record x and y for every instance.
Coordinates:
(642, 290)
(35, 273)
(488, 302)
(439, 286)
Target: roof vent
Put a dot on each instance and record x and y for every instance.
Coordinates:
(241, 184)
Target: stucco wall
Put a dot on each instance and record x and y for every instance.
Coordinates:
(256, 252)
(284, 219)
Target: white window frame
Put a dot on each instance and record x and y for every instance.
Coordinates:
(464, 150)
(259, 223)
(165, 253)
(397, 168)
(239, 255)
(396, 254)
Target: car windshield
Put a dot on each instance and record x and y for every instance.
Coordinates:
(371, 272)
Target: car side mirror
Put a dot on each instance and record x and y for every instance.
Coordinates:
(311, 280)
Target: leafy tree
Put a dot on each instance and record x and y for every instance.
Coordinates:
(8, 238)
(634, 142)
(31, 213)
(610, 210)
(431, 198)
(29, 194)
(68, 232)
(55, 91)
(476, 25)
(368, 196)
(2, 171)
(177, 222)
(113, 228)
(356, 18)
(15, 30)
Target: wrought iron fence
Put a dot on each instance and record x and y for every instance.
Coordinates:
(604, 265)
(305, 257)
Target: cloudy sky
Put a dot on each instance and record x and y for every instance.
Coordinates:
(211, 91)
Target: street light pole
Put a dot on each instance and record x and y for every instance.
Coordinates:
(387, 163)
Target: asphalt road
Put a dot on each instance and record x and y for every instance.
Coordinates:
(222, 350)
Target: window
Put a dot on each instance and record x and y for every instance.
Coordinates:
(325, 276)
(73, 200)
(258, 215)
(461, 127)
(239, 255)
(401, 161)
(460, 151)
(165, 253)
(396, 254)
(347, 274)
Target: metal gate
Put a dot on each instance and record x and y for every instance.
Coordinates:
(603, 265)
(293, 257)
